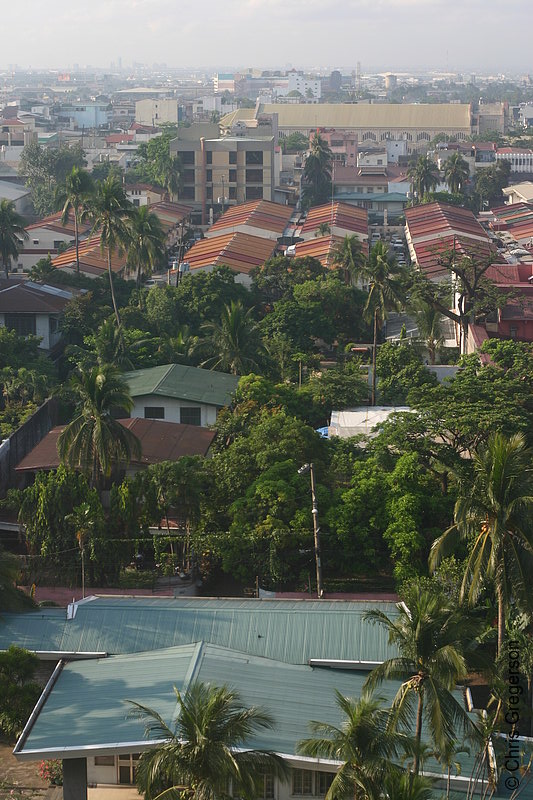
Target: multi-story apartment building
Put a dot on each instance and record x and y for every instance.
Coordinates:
(222, 171)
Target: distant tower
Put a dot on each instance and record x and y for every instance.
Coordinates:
(358, 77)
(335, 80)
(391, 81)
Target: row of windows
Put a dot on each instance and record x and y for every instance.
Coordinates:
(188, 415)
(304, 782)
(252, 157)
(252, 176)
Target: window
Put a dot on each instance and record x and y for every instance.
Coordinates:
(127, 767)
(57, 244)
(187, 156)
(208, 156)
(104, 761)
(268, 788)
(233, 176)
(136, 202)
(187, 193)
(302, 782)
(254, 192)
(254, 156)
(35, 241)
(232, 157)
(254, 176)
(209, 175)
(190, 415)
(323, 781)
(22, 324)
(53, 324)
(154, 412)
(232, 192)
(188, 176)
(209, 192)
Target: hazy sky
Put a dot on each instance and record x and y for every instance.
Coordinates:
(465, 35)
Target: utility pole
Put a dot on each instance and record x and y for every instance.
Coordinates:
(316, 529)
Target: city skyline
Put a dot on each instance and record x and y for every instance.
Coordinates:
(398, 35)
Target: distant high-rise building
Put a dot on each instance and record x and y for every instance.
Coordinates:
(391, 81)
(335, 80)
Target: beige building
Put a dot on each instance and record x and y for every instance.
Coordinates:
(221, 171)
(156, 112)
(417, 124)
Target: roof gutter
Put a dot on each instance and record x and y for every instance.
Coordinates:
(337, 663)
(36, 711)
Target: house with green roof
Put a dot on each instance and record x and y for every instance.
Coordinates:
(178, 393)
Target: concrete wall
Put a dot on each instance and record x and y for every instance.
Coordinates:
(24, 439)
(208, 413)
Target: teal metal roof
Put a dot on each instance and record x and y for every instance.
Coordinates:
(184, 383)
(290, 631)
(87, 711)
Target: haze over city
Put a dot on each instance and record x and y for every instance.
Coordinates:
(382, 34)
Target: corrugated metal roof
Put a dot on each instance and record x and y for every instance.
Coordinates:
(289, 631)
(262, 215)
(88, 704)
(352, 219)
(184, 383)
(389, 116)
(239, 251)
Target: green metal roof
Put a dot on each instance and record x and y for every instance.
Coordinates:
(86, 713)
(290, 631)
(184, 383)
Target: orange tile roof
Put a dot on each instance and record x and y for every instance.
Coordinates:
(92, 260)
(170, 214)
(321, 248)
(261, 214)
(239, 251)
(53, 223)
(350, 218)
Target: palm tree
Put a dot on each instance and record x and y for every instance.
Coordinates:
(147, 245)
(234, 340)
(110, 347)
(424, 175)
(109, 208)
(348, 256)
(365, 743)
(73, 197)
(95, 440)
(430, 636)
(316, 179)
(322, 230)
(83, 521)
(385, 291)
(429, 324)
(204, 751)
(494, 513)
(406, 786)
(456, 173)
(11, 233)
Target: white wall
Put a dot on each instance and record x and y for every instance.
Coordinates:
(172, 407)
(42, 330)
(39, 244)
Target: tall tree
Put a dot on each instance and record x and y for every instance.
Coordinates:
(147, 246)
(385, 291)
(424, 175)
(348, 256)
(456, 173)
(109, 209)
(204, 750)
(11, 233)
(95, 440)
(364, 742)
(73, 197)
(494, 513)
(234, 340)
(316, 179)
(430, 635)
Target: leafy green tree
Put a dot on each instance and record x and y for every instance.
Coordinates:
(12, 233)
(45, 168)
(430, 636)
(490, 181)
(207, 748)
(364, 742)
(73, 198)
(399, 369)
(316, 178)
(11, 598)
(146, 249)
(337, 389)
(109, 207)
(493, 514)
(234, 340)
(94, 440)
(430, 329)
(156, 165)
(385, 291)
(348, 256)
(18, 690)
(295, 143)
(277, 277)
(456, 173)
(43, 271)
(405, 786)
(424, 175)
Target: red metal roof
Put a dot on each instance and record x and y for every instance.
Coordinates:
(352, 219)
(92, 260)
(239, 251)
(160, 441)
(261, 214)
(18, 297)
